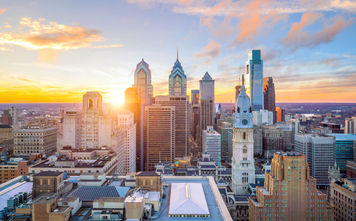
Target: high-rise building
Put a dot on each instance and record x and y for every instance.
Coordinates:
(207, 103)
(289, 192)
(243, 167)
(319, 152)
(159, 135)
(211, 144)
(128, 127)
(269, 96)
(345, 145)
(254, 79)
(226, 131)
(350, 125)
(145, 92)
(181, 104)
(343, 198)
(31, 140)
(177, 80)
(133, 104)
(280, 114)
(70, 133)
(272, 140)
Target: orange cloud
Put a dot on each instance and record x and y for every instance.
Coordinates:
(211, 50)
(52, 36)
(2, 10)
(297, 37)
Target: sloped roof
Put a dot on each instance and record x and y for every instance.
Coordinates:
(187, 198)
(91, 193)
(207, 77)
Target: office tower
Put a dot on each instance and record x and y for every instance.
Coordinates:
(257, 140)
(280, 114)
(195, 97)
(30, 140)
(159, 139)
(211, 144)
(70, 133)
(350, 125)
(254, 79)
(342, 198)
(128, 128)
(272, 139)
(226, 131)
(269, 96)
(181, 104)
(177, 80)
(6, 133)
(319, 152)
(133, 104)
(345, 145)
(207, 103)
(243, 167)
(289, 192)
(6, 118)
(262, 117)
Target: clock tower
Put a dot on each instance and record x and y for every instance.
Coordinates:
(243, 167)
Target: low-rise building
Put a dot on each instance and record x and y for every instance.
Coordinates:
(343, 199)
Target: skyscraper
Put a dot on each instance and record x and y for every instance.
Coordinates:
(195, 97)
(319, 152)
(269, 96)
(207, 103)
(159, 139)
(243, 167)
(133, 104)
(289, 192)
(177, 80)
(254, 79)
(194, 119)
(181, 104)
(350, 125)
(279, 114)
(144, 91)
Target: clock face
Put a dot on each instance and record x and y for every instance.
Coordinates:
(244, 122)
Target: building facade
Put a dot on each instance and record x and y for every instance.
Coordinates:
(35, 140)
(243, 167)
(128, 128)
(350, 125)
(319, 152)
(254, 79)
(211, 144)
(159, 139)
(343, 199)
(289, 192)
(345, 145)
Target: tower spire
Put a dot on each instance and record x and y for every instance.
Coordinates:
(177, 55)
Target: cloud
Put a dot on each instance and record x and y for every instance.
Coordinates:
(297, 36)
(52, 36)
(2, 10)
(109, 46)
(212, 50)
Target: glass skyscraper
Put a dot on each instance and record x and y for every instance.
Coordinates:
(254, 79)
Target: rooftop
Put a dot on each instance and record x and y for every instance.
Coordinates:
(48, 173)
(91, 193)
(5, 126)
(147, 173)
(12, 190)
(343, 137)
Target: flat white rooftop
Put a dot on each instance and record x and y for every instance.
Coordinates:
(187, 199)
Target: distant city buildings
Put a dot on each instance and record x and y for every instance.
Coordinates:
(280, 115)
(211, 144)
(254, 79)
(350, 125)
(319, 152)
(289, 192)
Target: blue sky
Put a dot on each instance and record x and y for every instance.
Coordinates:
(54, 51)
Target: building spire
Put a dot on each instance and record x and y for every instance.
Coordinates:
(177, 55)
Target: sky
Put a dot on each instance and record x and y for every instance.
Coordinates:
(55, 51)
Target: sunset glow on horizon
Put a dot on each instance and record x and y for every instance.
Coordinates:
(51, 53)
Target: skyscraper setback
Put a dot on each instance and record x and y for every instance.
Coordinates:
(269, 96)
(254, 79)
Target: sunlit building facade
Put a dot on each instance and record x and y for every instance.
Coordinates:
(289, 192)
(128, 127)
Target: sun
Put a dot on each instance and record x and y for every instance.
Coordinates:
(116, 97)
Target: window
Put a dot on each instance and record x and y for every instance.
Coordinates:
(244, 136)
(244, 150)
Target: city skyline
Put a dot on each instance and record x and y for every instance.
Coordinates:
(48, 57)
